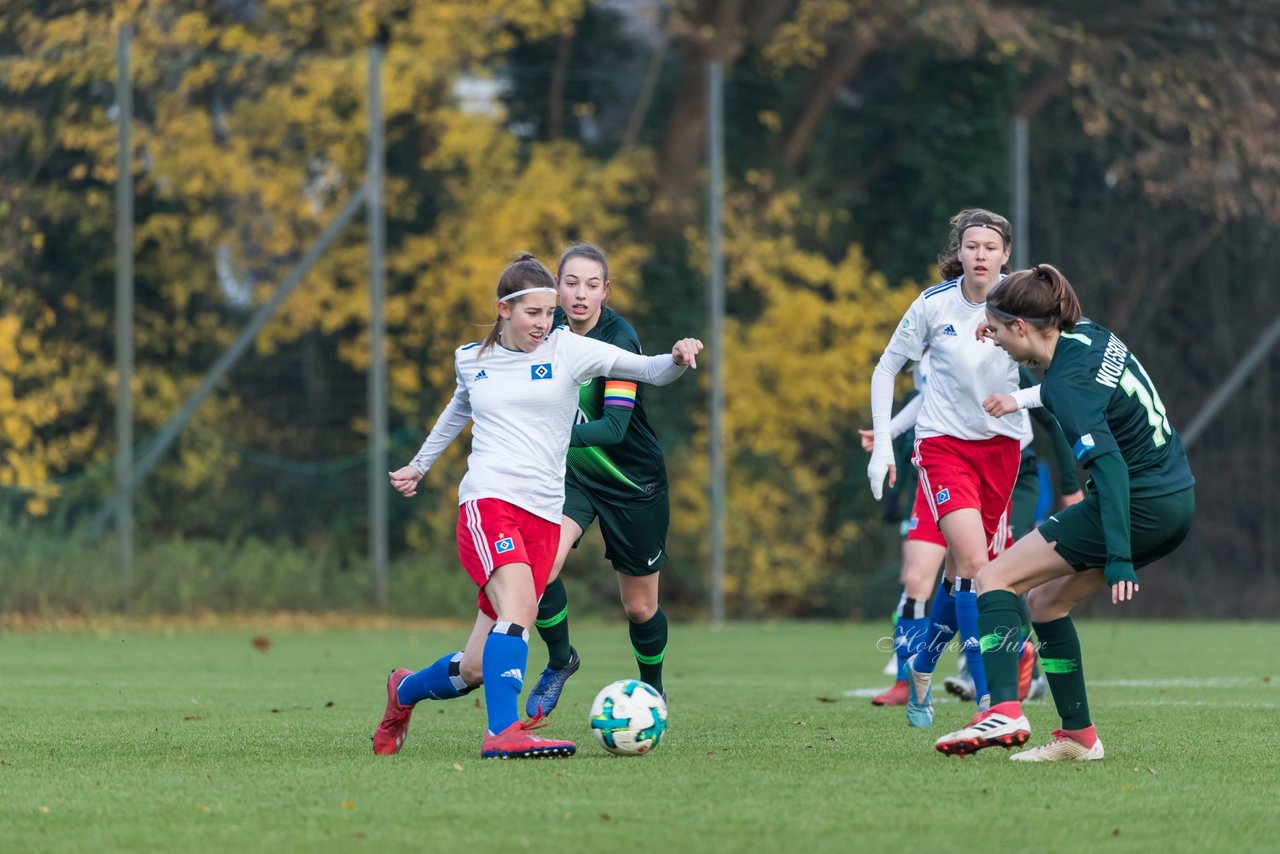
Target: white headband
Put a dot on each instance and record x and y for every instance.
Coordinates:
(510, 297)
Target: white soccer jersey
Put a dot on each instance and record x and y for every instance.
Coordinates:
(522, 406)
(963, 371)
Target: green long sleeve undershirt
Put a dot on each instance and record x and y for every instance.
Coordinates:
(1111, 481)
(1067, 480)
(608, 429)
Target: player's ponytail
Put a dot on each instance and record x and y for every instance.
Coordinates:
(1041, 295)
(521, 274)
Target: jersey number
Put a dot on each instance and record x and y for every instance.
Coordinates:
(1145, 391)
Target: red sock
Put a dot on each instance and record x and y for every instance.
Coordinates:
(1087, 737)
(1009, 708)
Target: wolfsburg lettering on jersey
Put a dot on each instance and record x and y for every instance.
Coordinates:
(1112, 362)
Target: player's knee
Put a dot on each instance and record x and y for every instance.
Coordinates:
(968, 566)
(471, 671)
(639, 609)
(1044, 606)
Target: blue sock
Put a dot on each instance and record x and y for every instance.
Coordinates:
(942, 627)
(908, 634)
(439, 681)
(898, 645)
(506, 654)
(967, 620)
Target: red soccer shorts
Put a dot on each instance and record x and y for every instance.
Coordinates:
(922, 526)
(976, 473)
(493, 533)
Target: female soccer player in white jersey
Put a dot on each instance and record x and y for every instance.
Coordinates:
(519, 388)
(967, 460)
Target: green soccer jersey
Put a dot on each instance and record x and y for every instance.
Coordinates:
(1105, 403)
(614, 458)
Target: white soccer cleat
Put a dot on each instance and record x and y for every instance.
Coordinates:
(1063, 748)
(990, 729)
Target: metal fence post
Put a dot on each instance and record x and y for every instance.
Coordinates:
(715, 228)
(375, 217)
(124, 314)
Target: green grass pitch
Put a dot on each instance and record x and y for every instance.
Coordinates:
(140, 738)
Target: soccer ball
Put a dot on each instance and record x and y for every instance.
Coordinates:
(628, 717)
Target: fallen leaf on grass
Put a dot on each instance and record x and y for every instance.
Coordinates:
(262, 644)
(192, 718)
(348, 805)
(826, 699)
(457, 767)
(44, 810)
(329, 705)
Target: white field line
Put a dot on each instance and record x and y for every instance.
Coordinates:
(1211, 682)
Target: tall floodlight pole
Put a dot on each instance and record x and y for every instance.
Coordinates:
(1020, 201)
(374, 214)
(124, 314)
(715, 228)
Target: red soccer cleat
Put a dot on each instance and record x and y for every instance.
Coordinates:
(894, 696)
(515, 742)
(1003, 726)
(389, 737)
(1026, 667)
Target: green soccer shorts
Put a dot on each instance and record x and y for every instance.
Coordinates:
(1156, 527)
(635, 535)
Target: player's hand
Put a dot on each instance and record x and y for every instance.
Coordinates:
(1072, 498)
(881, 465)
(1123, 580)
(984, 331)
(685, 352)
(1123, 592)
(1000, 404)
(405, 480)
(868, 440)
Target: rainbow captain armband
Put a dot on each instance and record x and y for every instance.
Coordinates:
(620, 393)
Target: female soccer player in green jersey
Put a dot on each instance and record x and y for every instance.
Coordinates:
(616, 475)
(1140, 505)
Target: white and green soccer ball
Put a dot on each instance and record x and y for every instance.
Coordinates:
(628, 717)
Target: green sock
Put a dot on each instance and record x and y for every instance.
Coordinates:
(553, 623)
(649, 641)
(1063, 667)
(1025, 613)
(999, 632)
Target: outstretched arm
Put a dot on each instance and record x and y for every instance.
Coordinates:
(451, 422)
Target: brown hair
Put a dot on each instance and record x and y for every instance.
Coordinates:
(524, 272)
(1040, 295)
(584, 250)
(949, 260)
